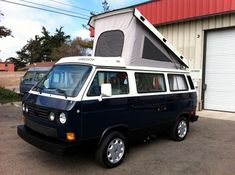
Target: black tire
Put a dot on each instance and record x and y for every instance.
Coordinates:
(102, 153)
(179, 133)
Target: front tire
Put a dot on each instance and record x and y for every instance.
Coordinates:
(180, 129)
(112, 150)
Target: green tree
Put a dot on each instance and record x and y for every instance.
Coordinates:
(4, 32)
(51, 48)
(76, 47)
(40, 48)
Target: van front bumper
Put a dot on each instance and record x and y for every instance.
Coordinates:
(45, 143)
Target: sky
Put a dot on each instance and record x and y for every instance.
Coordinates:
(26, 22)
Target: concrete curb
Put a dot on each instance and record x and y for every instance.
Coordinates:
(16, 104)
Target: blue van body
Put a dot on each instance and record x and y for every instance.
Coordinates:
(90, 120)
(31, 77)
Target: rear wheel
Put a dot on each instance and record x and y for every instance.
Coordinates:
(180, 129)
(112, 150)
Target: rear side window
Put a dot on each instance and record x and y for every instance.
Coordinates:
(177, 82)
(110, 44)
(190, 82)
(118, 81)
(152, 52)
(148, 83)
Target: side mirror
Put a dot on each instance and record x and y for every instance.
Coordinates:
(21, 78)
(106, 91)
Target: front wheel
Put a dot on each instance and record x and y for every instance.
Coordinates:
(112, 150)
(180, 129)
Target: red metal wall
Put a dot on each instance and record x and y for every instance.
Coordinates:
(11, 67)
(167, 11)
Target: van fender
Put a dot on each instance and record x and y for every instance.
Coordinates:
(120, 127)
(184, 114)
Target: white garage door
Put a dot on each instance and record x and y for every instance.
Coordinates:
(220, 70)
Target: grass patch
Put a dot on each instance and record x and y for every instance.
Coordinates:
(7, 96)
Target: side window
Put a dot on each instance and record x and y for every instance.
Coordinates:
(39, 76)
(110, 44)
(177, 82)
(28, 76)
(190, 82)
(152, 52)
(148, 82)
(118, 81)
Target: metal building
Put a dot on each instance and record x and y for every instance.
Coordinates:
(204, 32)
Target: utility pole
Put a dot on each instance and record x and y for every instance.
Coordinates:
(105, 6)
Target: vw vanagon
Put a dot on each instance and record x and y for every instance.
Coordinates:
(134, 85)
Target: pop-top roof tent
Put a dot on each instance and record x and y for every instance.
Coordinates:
(126, 33)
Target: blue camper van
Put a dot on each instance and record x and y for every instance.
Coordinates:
(31, 77)
(134, 85)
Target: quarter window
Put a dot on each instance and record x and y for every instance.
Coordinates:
(177, 82)
(190, 82)
(153, 52)
(148, 83)
(118, 81)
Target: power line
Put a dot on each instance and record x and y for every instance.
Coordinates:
(58, 2)
(55, 8)
(39, 8)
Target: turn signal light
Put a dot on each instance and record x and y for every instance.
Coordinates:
(70, 136)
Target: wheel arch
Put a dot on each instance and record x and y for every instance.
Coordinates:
(120, 128)
(184, 114)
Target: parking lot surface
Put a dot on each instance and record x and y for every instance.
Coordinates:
(208, 149)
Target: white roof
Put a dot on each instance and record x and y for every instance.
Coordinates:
(96, 61)
(112, 62)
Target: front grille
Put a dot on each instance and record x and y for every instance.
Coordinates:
(38, 111)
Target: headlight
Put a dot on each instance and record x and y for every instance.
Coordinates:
(26, 108)
(52, 116)
(62, 118)
(23, 107)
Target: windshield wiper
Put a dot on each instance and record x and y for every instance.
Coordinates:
(62, 92)
(38, 88)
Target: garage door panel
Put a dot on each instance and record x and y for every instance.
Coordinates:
(220, 71)
(220, 103)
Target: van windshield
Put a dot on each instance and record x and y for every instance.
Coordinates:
(65, 80)
(34, 75)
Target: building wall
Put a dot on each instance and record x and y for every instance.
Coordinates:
(7, 67)
(188, 38)
(11, 80)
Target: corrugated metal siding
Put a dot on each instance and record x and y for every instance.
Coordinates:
(168, 11)
(188, 37)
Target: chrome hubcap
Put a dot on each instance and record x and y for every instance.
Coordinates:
(115, 150)
(182, 129)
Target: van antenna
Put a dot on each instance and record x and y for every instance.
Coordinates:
(105, 5)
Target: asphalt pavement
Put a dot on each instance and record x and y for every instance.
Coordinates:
(208, 149)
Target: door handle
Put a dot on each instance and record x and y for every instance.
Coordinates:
(161, 108)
